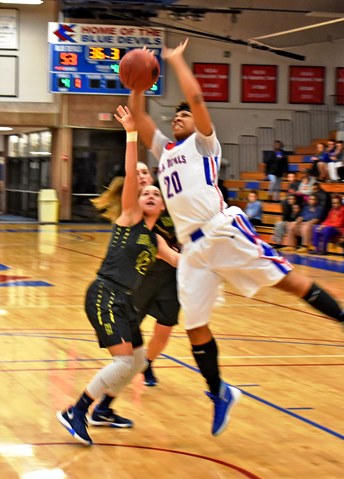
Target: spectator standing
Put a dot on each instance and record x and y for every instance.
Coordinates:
(276, 165)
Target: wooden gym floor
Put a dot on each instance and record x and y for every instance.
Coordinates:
(287, 360)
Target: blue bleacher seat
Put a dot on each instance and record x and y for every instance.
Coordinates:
(307, 159)
(252, 185)
(292, 168)
(232, 194)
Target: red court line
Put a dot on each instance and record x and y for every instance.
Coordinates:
(80, 252)
(281, 306)
(262, 336)
(239, 469)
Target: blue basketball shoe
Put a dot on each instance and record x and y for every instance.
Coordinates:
(149, 378)
(75, 423)
(107, 417)
(227, 397)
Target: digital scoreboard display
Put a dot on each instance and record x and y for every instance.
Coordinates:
(84, 58)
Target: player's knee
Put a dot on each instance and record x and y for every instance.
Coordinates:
(140, 361)
(122, 368)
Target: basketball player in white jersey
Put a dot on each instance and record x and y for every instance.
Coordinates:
(218, 243)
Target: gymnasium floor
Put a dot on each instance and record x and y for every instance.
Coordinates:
(286, 358)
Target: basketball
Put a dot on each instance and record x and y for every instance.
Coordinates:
(139, 69)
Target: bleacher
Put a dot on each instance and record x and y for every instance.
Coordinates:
(272, 212)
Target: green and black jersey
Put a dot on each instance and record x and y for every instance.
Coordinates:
(132, 250)
(165, 228)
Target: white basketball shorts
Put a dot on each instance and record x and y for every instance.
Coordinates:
(226, 248)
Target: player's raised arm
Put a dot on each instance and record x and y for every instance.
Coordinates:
(190, 87)
(130, 187)
(144, 123)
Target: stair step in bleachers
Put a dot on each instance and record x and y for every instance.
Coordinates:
(252, 175)
(304, 150)
(299, 159)
(272, 212)
(266, 232)
(268, 207)
(240, 188)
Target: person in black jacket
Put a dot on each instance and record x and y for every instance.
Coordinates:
(276, 165)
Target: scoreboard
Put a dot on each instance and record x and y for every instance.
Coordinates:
(84, 58)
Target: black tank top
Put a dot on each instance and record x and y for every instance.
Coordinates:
(132, 250)
(165, 228)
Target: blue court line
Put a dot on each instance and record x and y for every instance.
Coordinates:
(304, 343)
(268, 403)
(313, 262)
(24, 283)
(316, 262)
(3, 267)
(193, 368)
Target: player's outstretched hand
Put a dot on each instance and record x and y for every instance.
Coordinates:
(151, 52)
(171, 54)
(125, 117)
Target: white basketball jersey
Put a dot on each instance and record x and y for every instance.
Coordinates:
(188, 176)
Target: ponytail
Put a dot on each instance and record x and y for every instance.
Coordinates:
(110, 200)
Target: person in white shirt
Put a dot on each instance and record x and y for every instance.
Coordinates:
(219, 243)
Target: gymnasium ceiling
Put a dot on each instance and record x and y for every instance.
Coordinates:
(268, 24)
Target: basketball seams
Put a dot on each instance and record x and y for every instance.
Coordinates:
(139, 69)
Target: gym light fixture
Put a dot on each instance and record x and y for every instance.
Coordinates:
(22, 2)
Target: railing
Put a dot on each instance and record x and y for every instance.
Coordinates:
(305, 126)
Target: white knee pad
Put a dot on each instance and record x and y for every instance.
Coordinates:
(140, 363)
(111, 377)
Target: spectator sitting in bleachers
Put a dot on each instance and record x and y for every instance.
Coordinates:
(292, 187)
(323, 197)
(276, 166)
(320, 160)
(254, 210)
(336, 162)
(303, 226)
(340, 172)
(305, 186)
(331, 228)
(290, 211)
(293, 182)
(331, 147)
